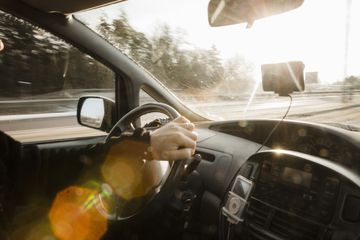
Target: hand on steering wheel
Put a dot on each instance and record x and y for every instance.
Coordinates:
(129, 177)
(174, 141)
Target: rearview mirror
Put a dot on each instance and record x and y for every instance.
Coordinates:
(96, 112)
(228, 12)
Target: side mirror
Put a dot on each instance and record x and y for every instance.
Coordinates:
(96, 112)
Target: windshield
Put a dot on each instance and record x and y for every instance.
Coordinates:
(216, 71)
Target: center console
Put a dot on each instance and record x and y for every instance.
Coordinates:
(287, 195)
(303, 188)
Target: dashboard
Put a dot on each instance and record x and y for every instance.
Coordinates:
(311, 190)
(237, 191)
(319, 140)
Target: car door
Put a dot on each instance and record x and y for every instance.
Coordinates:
(43, 148)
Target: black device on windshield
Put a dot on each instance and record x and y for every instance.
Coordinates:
(283, 78)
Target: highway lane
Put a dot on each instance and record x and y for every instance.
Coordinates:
(316, 108)
(33, 106)
(275, 107)
(53, 133)
(208, 103)
(37, 121)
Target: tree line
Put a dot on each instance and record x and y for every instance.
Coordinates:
(36, 62)
(174, 61)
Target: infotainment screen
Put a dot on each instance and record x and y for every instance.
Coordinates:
(297, 177)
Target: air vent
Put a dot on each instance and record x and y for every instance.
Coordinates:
(258, 213)
(257, 234)
(265, 220)
(293, 227)
(206, 156)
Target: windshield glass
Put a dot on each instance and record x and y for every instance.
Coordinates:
(216, 71)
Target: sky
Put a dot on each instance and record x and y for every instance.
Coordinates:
(313, 33)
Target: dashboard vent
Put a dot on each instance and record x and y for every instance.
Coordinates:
(265, 218)
(258, 213)
(293, 227)
(258, 234)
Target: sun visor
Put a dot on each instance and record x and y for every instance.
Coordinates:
(68, 6)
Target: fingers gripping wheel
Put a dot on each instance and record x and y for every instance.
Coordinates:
(163, 190)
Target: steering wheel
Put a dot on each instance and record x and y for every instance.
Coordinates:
(165, 188)
(124, 123)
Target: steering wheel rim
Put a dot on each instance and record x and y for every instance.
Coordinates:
(168, 184)
(138, 112)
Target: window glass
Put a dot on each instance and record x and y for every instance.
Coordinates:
(144, 99)
(217, 71)
(42, 77)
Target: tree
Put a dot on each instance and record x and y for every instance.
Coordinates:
(131, 42)
(37, 62)
(238, 75)
(175, 62)
(27, 46)
(352, 82)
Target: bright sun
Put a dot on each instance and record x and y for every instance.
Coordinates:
(317, 39)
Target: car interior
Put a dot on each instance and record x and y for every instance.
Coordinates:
(254, 179)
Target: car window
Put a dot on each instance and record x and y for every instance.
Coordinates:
(145, 98)
(42, 78)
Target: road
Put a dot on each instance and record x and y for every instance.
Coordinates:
(63, 124)
(303, 107)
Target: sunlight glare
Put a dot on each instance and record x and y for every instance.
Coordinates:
(252, 96)
(129, 176)
(314, 33)
(70, 220)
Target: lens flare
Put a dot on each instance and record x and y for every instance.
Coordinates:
(1, 45)
(127, 173)
(73, 215)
